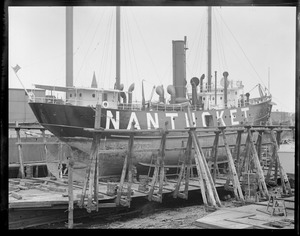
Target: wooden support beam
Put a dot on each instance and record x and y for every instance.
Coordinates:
(215, 154)
(159, 169)
(45, 149)
(127, 165)
(278, 139)
(284, 179)
(259, 144)
(184, 169)
(204, 175)
(237, 151)
(259, 171)
(246, 158)
(20, 152)
(235, 179)
(89, 177)
(70, 192)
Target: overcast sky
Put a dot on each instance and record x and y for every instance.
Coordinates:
(247, 42)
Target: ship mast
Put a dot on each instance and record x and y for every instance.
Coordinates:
(209, 40)
(118, 48)
(69, 46)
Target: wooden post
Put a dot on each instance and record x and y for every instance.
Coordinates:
(261, 177)
(60, 157)
(70, 192)
(159, 169)
(88, 171)
(237, 150)
(278, 139)
(246, 158)
(284, 179)
(210, 179)
(185, 167)
(215, 154)
(21, 169)
(258, 144)
(127, 165)
(92, 171)
(45, 148)
(202, 169)
(236, 183)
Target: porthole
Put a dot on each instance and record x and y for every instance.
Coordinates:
(80, 95)
(93, 95)
(70, 95)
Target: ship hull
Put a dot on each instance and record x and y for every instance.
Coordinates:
(67, 122)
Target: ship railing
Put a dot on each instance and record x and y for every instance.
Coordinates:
(54, 100)
(254, 101)
(130, 106)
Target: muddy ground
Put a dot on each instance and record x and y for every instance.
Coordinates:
(170, 214)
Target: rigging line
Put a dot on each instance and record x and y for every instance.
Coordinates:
(84, 59)
(222, 53)
(130, 48)
(85, 35)
(135, 61)
(147, 48)
(103, 68)
(242, 50)
(199, 43)
(220, 64)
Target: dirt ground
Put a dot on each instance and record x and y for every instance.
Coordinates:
(171, 218)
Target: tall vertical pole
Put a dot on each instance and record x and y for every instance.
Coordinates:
(269, 79)
(215, 87)
(209, 38)
(118, 47)
(69, 46)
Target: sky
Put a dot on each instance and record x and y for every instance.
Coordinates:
(254, 44)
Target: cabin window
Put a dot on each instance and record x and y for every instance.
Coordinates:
(203, 98)
(104, 96)
(80, 95)
(222, 90)
(213, 98)
(235, 93)
(93, 95)
(221, 98)
(70, 95)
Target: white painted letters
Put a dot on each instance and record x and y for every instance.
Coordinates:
(133, 118)
(245, 109)
(187, 119)
(172, 115)
(151, 121)
(115, 122)
(220, 117)
(233, 116)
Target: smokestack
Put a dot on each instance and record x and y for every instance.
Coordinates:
(194, 82)
(160, 91)
(179, 67)
(130, 89)
(247, 98)
(171, 91)
(225, 74)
